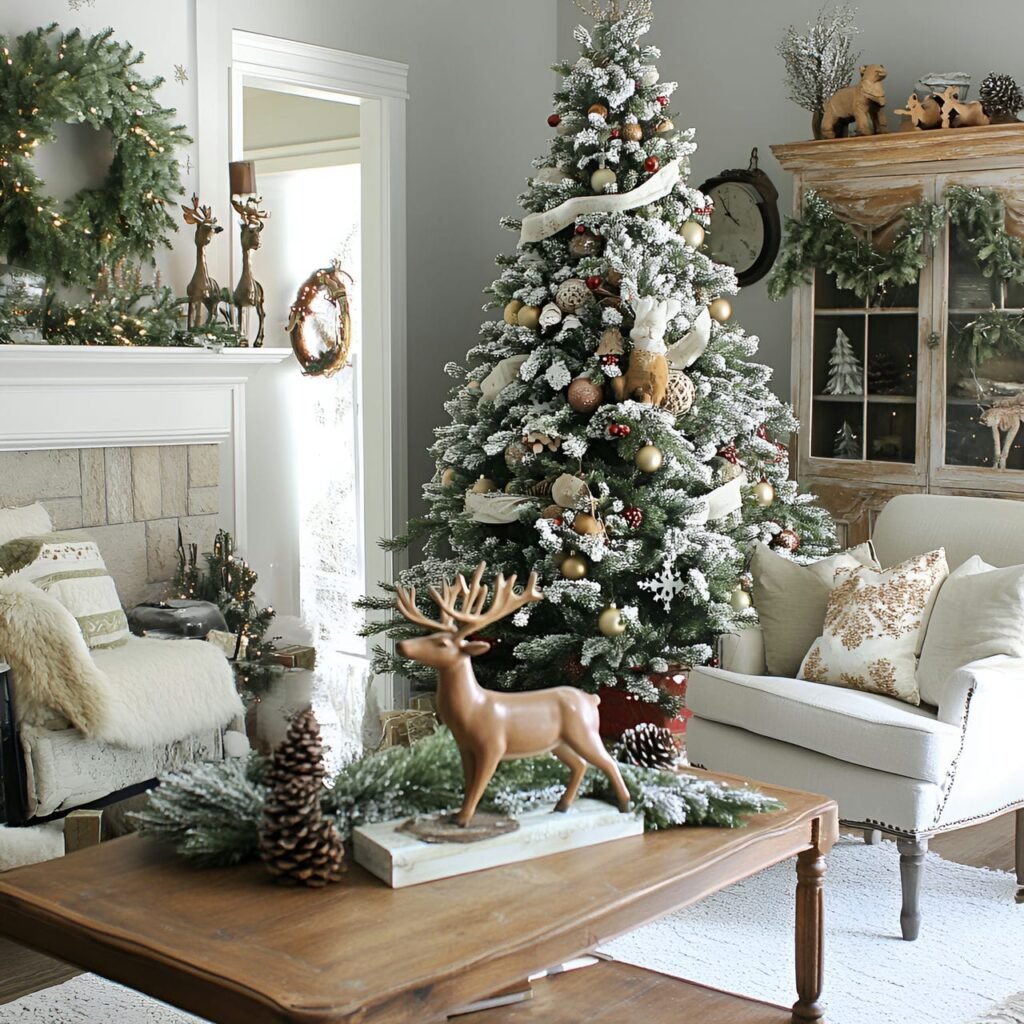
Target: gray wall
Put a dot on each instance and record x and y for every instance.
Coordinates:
(722, 53)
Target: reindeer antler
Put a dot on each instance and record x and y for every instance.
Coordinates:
(464, 603)
(405, 603)
(250, 211)
(196, 214)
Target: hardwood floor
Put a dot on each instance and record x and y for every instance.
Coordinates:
(990, 845)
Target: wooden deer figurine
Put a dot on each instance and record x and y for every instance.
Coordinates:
(248, 291)
(968, 115)
(490, 726)
(203, 292)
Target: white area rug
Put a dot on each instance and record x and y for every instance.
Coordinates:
(970, 955)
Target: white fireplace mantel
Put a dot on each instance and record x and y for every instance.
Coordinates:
(108, 397)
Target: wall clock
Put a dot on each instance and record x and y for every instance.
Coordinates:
(745, 227)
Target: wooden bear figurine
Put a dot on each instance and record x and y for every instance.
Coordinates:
(862, 104)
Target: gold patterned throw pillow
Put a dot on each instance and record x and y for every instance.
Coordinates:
(873, 627)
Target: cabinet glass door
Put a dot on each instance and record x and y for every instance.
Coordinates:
(984, 365)
(864, 400)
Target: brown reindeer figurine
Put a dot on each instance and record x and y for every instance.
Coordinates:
(490, 726)
(248, 291)
(203, 292)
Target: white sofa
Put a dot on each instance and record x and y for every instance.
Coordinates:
(911, 772)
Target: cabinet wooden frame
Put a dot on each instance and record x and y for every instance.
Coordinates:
(897, 169)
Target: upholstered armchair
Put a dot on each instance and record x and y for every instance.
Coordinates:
(909, 772)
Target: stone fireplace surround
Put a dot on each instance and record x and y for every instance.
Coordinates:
(126, 445)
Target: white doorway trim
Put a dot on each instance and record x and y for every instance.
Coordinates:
(379, 86)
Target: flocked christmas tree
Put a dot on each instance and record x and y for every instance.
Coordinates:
(609, 430)
(845, 374)
(847, 444)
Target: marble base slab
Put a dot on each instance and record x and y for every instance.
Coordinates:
(400, 859)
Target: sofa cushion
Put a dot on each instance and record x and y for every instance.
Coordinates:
(24, 521)
(849, 725)
(791, 600)
(978, 613)
(73, 571)
(874, 626)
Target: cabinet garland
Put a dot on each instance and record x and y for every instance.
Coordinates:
(50, 78)
(821, 240)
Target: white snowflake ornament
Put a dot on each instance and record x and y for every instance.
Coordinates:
(665, 587)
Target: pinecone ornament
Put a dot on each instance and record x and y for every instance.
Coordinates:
(297, 844)
(1001, 97)
(649, 746)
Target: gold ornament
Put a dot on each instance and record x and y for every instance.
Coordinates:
(510, 487)
(484, 486)
(601, 179)
(649, 459)
(764, 493)
(574, 567)
(610, 623)
(584, 395)
(512, 311)
(586, 524)
(693, 235)
(664, 125)
(632, 132)
(740, 600)
(528, 316)
(720, 309)
(448, 477)
(598, 108)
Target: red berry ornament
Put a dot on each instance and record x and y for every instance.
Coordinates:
(633, 516)
(616, 133)
(594, 282)
(713, 663)
(611, 359)
(651, 164)
(663, 100)
(581, 229)
(730, 454)
(554, 120)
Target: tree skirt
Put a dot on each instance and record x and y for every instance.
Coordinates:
(968, 958)
(966, 962)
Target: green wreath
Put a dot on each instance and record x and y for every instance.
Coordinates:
(48, 78)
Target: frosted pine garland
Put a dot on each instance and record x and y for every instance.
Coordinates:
(210, 812)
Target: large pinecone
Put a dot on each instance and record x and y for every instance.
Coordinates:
(649, 746)
(297, 844)
(1001, 97)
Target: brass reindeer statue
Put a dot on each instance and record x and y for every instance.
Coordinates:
(248, 291)
(203, 292)
(490, 726)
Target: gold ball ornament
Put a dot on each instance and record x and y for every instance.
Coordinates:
(448, 477)
(584, 395)
(601, 179)
(740, 600)
(632, 132)
(598, 108)
(649, 459)
(764, 493)
(574, 567)
(693, 236)
(586, 524)
(664, 125)
(528, 316)
(610, 623)
(484, 485)
(512, 312)
(720, 309)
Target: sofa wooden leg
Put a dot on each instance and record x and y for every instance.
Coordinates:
(1020, 855)
(872, 836)
(912, 853)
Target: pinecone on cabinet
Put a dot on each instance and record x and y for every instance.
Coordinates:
(297, 844)
(649, 746)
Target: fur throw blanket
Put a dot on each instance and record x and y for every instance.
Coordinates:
(143, 693)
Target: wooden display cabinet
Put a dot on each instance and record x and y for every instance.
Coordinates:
(917, 422)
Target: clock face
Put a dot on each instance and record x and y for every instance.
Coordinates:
(737, 233)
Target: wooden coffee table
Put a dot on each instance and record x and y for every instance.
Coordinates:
(231, 946)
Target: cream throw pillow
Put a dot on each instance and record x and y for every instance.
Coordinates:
(73, 572)
(26, 521)
(979, 613)
(872, 627)
(791, 600)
